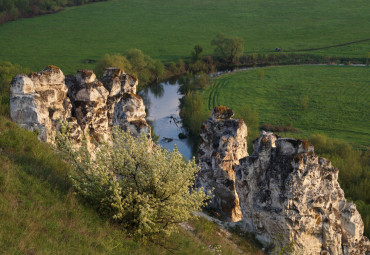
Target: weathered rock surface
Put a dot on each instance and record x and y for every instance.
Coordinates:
(117, 82)
(39, 101)
(129, 114)
(282, 193)
(223, 144)
(287, 192)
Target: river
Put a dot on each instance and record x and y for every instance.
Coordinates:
(162, 103)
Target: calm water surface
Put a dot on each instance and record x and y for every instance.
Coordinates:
(162, 103)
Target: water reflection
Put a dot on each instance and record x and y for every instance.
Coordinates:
(162, 106)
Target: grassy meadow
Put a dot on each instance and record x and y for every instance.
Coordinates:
(337, 99)
(168, 30)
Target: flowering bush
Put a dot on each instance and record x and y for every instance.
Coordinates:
(147, 190)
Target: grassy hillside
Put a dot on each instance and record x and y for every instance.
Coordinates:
(337, 99)
(39, 213)
(168, 30)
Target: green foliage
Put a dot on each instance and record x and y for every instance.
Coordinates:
(134, 62)
(7, 72)
(196, 55)
(192, 112)
(203, 81)
(148, 193)
(115, 60)
(40, 214)
(367, 56)
(230, 49)
(177, 68)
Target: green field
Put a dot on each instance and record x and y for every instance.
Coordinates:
(338, 99)
(168, 30)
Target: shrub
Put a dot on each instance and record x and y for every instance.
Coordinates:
(192, 112)
(115, 60)
(147, 192)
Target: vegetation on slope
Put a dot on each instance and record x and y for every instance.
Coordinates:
(165, 30)
(41, 214)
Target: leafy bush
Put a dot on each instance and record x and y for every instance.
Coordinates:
(147, 192)
(192, 112)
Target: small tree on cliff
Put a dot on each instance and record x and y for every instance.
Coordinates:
(147, 192)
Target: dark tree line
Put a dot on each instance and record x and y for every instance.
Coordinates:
(17, 9)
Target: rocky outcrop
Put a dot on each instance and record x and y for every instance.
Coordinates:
(284, 191)
(288, 192)
(89, 106)
(129, 114)
(223, 144)
(39, 101)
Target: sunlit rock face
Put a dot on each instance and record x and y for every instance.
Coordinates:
(223, 143)
(287, 192)
(283, 193)
(40, 101)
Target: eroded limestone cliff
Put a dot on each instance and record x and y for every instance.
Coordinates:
(285, 191)
(89, 106)
(223, 144)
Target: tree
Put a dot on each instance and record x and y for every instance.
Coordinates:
(115, 60)
(196, 55)
(148, 191)
(230, 49)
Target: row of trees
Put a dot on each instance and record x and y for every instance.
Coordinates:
(16, 9)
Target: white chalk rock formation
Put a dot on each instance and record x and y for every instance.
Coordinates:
(223, 143)
(40, 101)
(287, 192)
(118, 83)
(129, 114)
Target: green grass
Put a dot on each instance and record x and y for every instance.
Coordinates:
(338, 99)
(169, 30)
(40, 214)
